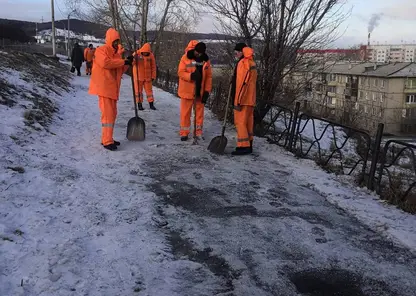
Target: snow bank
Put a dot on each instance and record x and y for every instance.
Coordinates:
(30, 86)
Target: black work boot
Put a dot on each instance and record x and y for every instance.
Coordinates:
(152, 106)
(117, 143)
(184, 138)
(140, 106)
(241, 151)
(111, 147)
(251, 146)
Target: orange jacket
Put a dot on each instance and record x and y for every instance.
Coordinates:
(89, 54)
(107, 69)
(147, 64)
(245, 94)
(186, 88)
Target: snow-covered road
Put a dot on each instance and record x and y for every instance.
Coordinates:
(167, 218)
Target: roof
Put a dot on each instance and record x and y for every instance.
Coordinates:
(367, 69)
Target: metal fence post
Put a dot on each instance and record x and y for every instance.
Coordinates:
(293, 126)
(374, 158)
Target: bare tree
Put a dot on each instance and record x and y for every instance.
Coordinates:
(145, 13)
(278, 29)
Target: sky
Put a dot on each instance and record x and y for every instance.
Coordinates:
(396, 25)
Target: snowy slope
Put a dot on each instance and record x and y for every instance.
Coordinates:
(64, 33)
(163, 217)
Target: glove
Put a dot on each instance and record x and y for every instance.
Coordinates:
(195, 76)
(205, 97)
(128, 61)
(237, 108)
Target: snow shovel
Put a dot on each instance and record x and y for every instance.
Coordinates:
(136, 127)
(219, 143)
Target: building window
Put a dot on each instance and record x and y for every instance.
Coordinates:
(366, 95)
(411, 83)
(332, 89)
(374, 97)
(356, 106)
(410, 99)
(375, 82)
(365, 109)
(381, 97)
(373, 111)
(383, 83)
(368, 82)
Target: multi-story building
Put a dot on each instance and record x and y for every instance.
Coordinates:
(365, 94)
(393, 53)
(388, 53)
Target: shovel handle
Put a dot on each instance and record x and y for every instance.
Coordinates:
(226, 108)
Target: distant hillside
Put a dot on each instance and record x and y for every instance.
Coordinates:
(14, 33)
(98, 31)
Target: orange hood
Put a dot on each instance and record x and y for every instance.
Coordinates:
(145, 48)
(110, 36)
(248, 52)
(191, 45)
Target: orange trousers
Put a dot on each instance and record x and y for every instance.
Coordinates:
(88, 67)
(147, 85)
(244, 123)
(186, 110)
(108, 109)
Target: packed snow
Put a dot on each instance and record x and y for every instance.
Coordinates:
(165, 217)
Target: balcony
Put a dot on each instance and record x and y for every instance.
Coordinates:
(409, 88)
(331, 94)
(353, 85)
(332, 83)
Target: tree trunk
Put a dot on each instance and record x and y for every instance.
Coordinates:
(145, 12)
(161, 27)
(113, 14)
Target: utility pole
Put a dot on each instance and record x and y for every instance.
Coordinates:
(53, 30)
(67, 39)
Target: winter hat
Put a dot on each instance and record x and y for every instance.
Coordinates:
(240, 46)
(201, 47)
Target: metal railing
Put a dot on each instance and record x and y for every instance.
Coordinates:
(336, 147)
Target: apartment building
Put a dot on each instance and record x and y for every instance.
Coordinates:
(393, 53)
(366, 94)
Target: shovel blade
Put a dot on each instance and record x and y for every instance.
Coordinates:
(136, 129)
(218, 145)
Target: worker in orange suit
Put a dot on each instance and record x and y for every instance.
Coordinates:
(195, 83)
(244, 93)
(88, 57)
(108, 67)
(145, 60)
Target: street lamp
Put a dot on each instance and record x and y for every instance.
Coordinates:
(53, 30)
(67, 33)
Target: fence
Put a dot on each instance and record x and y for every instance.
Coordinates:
(337, 148)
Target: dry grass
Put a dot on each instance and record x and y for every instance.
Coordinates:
(395, 193)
